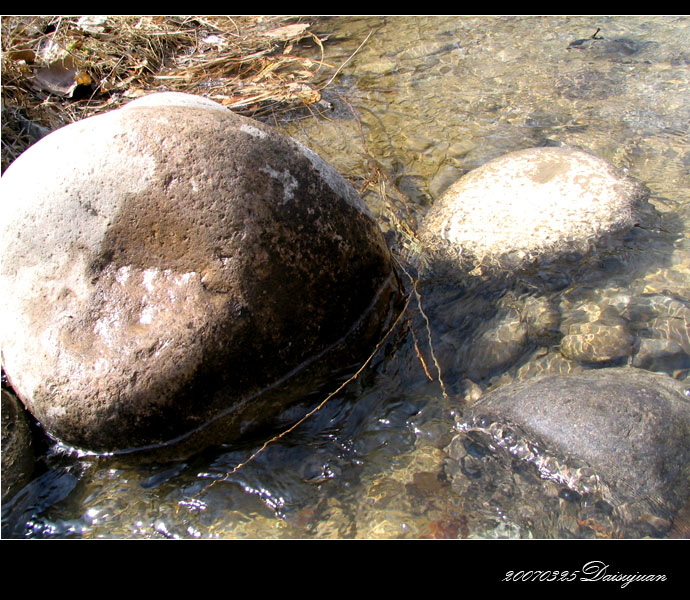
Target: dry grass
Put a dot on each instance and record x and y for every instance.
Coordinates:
(60, 69)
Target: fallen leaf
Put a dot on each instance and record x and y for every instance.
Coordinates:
(59, 78)
(82, 78)
(214, 40)
(49, 51)
(93, 24)
(134, 92)
(287, 32)
(304, 92)
(27, 56)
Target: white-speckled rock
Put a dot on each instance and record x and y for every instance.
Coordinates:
(166, 264)
(530, 205)
(175, 99)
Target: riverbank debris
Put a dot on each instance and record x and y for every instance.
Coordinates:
(61, 69)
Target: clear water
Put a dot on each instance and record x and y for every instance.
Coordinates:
(423, 101)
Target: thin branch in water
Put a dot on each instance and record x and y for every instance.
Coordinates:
(323, 402)
(419, 354)
(407, 228)
(347, 61)
(323, 53)
(428, 327)
(355, 114)
(382, 177)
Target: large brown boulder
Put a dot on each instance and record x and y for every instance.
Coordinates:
(171, 265)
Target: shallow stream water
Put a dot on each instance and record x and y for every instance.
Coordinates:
(422, 102)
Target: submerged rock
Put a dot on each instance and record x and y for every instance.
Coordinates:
(531, 205)
(170, 265)
(598, 341)
(621, 436)
(618, 48)
(495, 344)
(589, 84)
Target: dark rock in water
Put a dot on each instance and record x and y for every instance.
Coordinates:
(17, 452)
(682, 59)
(33, 500)
(496, 346)
(593, 454)
(629, 426)
(612, 49)
(172, 268)
(660, 355)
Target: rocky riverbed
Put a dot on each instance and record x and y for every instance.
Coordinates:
(427, 441)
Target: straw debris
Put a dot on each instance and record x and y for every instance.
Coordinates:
(60, 69)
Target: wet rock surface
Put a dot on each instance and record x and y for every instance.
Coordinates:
(168, 262)
(611, 49)
(604, 339)
(17, 452)
(649, 330)
(533, 204)
(612, 438)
